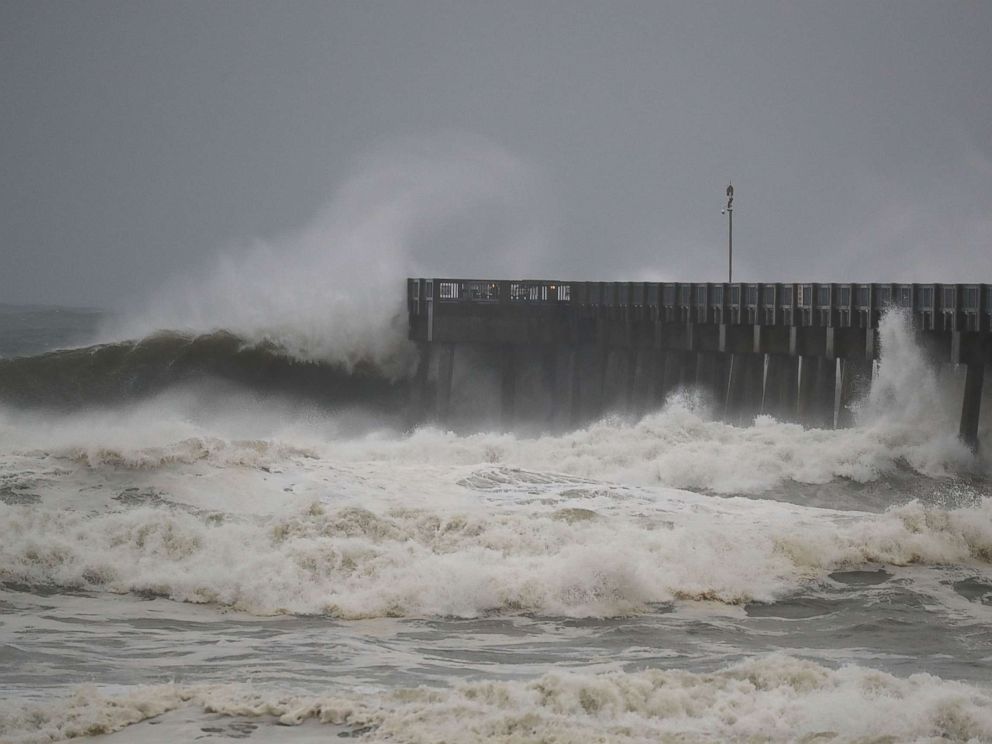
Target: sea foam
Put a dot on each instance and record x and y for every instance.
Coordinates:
(557, 558)
(251, 506)
(774, 698)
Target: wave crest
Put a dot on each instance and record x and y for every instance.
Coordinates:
(134, 370)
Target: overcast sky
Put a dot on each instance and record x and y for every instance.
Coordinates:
(138, 140)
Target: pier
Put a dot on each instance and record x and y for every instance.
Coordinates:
(560, 353)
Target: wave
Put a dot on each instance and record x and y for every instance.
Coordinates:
(583, 554)
(135, 370)
(907, 424)
(862, 468)
(774, 698)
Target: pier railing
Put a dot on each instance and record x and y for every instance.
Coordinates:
(940, 307)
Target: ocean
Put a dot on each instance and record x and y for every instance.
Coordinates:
(208, 539)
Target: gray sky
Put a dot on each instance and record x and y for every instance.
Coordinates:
(138, 140)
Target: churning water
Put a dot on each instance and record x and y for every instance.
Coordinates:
(234, 561)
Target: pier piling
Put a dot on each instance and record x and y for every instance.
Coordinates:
(971, 404)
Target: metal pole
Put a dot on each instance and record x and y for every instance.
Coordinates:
(730, 242)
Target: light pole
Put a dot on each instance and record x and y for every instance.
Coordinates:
(729, 211)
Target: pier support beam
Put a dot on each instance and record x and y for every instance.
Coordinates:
(565, 396)
(855, 381)
(871, 344)
(805, 389)
(617, 379)
(817, 387)
(591, 369)
(420, 390)
(445, 370)
(971, 405)
(645, 382)
(781, 387)
(711, 375)
(971, 350)
(678, 369)
(630, 379)
(549, 382)
(824, 414)
(508, 385)
(744, 387)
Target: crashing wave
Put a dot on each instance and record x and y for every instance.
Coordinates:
(562, 559)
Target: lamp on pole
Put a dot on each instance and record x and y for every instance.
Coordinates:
(729, 211)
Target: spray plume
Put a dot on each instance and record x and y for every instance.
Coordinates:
(334, 290)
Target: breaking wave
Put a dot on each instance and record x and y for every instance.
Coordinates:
(123, 372)
(775, 698)
(571, 556)
(331, 291)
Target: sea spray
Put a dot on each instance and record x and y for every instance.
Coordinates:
(334, 291)
(908, 389)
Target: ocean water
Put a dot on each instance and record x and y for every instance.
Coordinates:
(208, 556)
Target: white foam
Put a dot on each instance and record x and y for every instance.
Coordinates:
(676, 447)
(773, 698)
(166, 498)
(413, 555)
